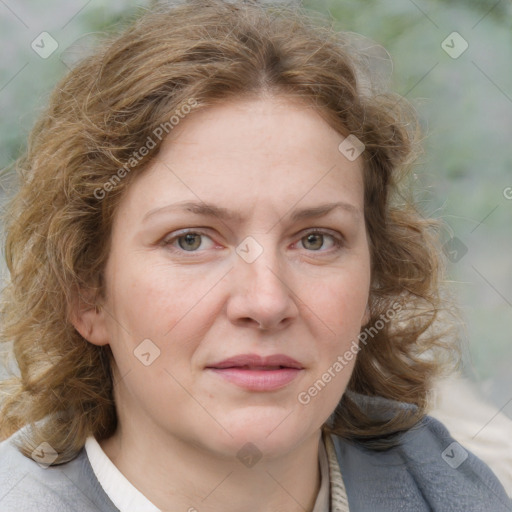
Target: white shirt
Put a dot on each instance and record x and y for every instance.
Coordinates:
(126, 497)
(118, 488)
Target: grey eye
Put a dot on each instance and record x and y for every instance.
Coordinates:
(190, 241)
(314, 240)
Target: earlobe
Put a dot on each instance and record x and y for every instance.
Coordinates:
(88, 318)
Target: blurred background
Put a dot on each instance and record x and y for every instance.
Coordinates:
(451, 60)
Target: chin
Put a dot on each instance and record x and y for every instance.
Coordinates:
(272, 431)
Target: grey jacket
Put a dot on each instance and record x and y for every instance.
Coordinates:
(427, 471)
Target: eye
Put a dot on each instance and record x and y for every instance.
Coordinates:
(314, 240)
(189, 241)
(197, 241)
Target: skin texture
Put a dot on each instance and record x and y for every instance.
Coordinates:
(181, 425)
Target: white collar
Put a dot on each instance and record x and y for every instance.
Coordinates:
(127, 498)
(118, 488)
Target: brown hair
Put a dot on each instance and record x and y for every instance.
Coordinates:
(81, 158)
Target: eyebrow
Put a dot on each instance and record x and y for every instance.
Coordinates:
(211, 210)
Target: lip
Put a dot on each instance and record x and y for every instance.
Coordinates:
(256, 373)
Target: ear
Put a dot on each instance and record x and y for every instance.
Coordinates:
(88, 318)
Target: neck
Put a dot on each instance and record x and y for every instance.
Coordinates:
(176, 475)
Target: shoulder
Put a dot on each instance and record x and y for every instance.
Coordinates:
(30, 486)
(426, 470)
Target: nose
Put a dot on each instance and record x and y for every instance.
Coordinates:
(260, 294)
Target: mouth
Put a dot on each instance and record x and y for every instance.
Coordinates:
(256, 373)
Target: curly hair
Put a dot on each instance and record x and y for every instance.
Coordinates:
(83, 153)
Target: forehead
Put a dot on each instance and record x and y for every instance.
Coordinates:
(252, 151)
(271, 124)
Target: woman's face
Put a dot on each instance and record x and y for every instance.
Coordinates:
(234, 283)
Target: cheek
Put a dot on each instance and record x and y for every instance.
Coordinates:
(153, 297)
(151, 301)
(341, 303)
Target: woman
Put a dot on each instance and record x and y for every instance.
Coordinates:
(219, 299)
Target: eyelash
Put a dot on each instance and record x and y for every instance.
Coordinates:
(338, 242)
